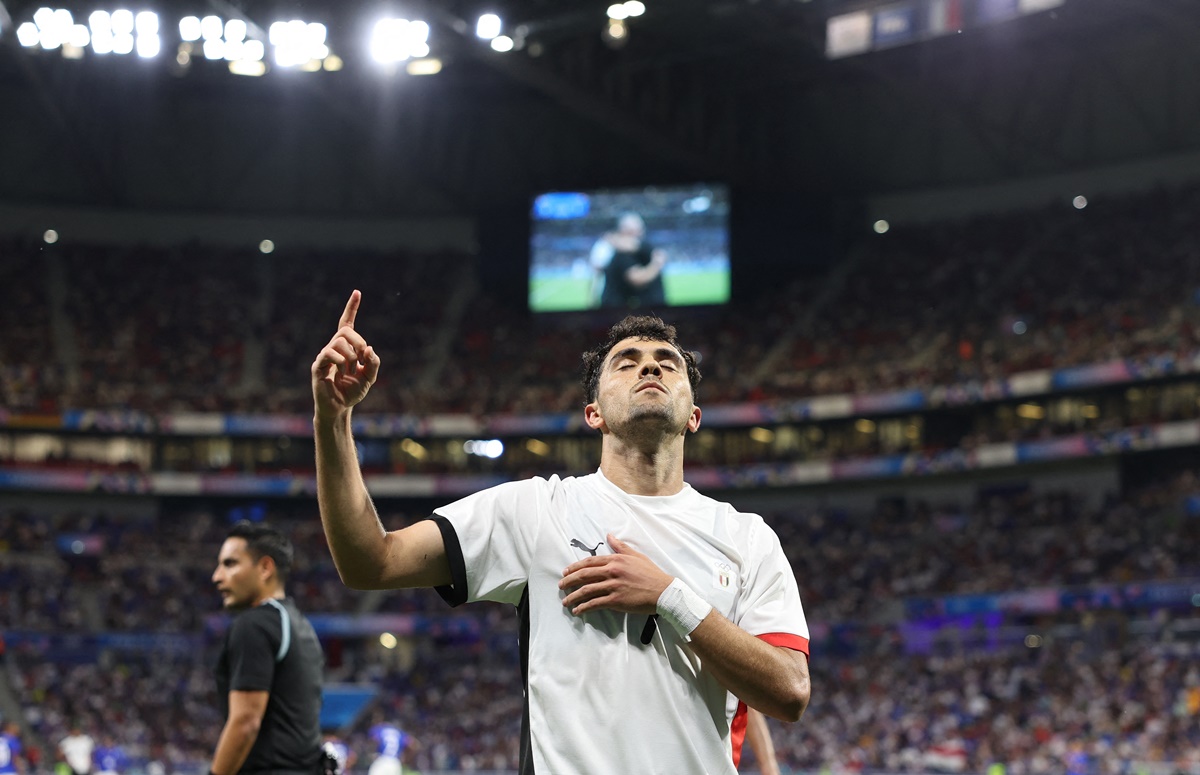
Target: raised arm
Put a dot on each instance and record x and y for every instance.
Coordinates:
(366, 555)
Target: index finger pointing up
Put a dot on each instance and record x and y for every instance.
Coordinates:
(351, 310)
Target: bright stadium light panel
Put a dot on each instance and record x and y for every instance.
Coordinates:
(502, 43)
(148, 46)
(248, 67)
(254, 51)
(386, 43)
(122, 23)
(634, 8)
(488, 26)
(102, 42)
(617, 12)
(146, 23)
(27, 35)
(211, 27)
(235, 30)
(424, 67)
(214, 49)
(122, 44)
(297, 43)
(189, 29)
(79, 37)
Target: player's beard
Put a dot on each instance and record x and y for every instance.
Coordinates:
(652, 422)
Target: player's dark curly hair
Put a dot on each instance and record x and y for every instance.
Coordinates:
(646, 328)
(265, 541)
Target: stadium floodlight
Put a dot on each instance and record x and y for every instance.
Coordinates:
(122, 44)
(148, 46)
(634, 8)
(53, 27)
(27, 35)
(234, 50)
(235, 30)
(214, 49)
(617, 11)
(122, 23)
(211, 27)
(250, 68)
(79, 37)
(254, 51)
(424, 67)
(146, 23)
(395, 40)
(189, 29)
(298, 43)
(102, 44)
(502, 43)
(386, 44)
(488, 26)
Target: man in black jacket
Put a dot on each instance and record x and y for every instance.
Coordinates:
(269, 672)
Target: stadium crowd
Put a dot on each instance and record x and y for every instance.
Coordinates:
(879, 706)
(956, 303)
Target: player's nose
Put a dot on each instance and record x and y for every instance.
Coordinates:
(650, 367)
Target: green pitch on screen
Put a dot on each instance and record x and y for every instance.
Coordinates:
(563, 294)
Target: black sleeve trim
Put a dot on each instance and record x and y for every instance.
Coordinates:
(456, 593)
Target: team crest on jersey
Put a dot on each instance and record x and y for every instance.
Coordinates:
(722, 575)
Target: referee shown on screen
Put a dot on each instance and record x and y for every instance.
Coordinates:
(269, 671)
(652, 616)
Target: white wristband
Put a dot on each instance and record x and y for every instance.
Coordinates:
(682, 608)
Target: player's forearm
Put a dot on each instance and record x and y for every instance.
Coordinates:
(356, 537)
(237, 738)
(771, 679)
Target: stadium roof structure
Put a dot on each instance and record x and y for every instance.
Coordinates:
(735, 90)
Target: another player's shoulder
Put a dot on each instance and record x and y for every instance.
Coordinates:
(265, 618)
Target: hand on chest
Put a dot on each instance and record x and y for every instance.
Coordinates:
(680, 545)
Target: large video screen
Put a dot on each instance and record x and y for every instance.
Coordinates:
(644, 248)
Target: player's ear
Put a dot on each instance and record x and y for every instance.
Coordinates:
(591, 416)
(266, 567)
(693, 424)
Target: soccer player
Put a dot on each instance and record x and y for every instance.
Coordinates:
(110, 758)
(337, 749)
(390, 742)
(12, 756)
(76, 749)
(758, 736)
(627, 269)
(651, 615)
(269, 670)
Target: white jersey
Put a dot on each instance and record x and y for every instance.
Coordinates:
(77, 750)
(597, 699)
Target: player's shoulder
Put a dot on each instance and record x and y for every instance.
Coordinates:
(748, 524)
(265, 618)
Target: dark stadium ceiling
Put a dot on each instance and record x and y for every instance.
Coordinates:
(736, 90)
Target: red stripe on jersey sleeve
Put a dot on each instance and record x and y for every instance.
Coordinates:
(737, 732)
(786, 640)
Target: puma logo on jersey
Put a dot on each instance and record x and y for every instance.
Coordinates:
(581, 545)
